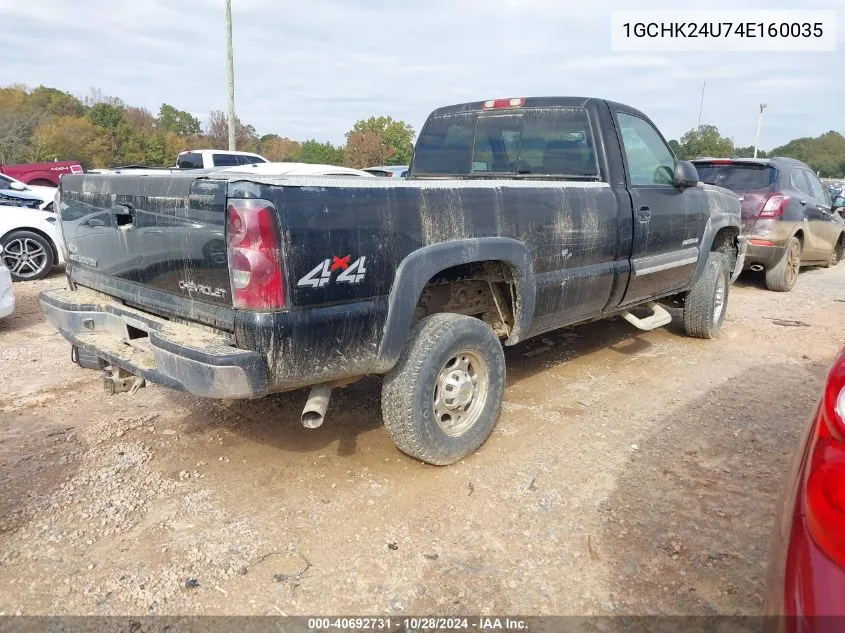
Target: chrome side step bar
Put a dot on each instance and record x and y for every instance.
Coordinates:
(658, 318)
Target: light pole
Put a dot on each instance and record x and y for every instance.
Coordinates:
(230, 75)
(759, 122)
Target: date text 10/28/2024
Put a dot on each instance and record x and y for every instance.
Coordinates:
(430, 624)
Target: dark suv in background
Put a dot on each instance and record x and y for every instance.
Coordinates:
(786, 215)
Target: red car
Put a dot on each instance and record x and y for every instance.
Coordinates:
(806, 578)
(42, 174)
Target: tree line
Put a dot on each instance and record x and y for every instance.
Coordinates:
(825, 154)
(43, 124)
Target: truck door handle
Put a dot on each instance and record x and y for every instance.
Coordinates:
(643, 214)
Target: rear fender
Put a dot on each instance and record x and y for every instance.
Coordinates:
(420, 266)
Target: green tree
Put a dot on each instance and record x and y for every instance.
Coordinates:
(705, 140)
(171, 119)
(320, 153)
(748, 152)
(676, 149)
(378, 141)
(69, 138)
(106, 116)
(825, 154)
(51, 102)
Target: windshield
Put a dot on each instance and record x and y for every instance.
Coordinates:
(737, 177)
(543, 142)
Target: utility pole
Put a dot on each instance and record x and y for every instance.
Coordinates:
(701, 106)
(230, 75)
(759, 123)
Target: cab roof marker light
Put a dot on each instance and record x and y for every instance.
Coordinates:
(515, 102)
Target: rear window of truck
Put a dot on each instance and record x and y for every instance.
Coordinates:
(737, 177)
(190, 160)
(546, 142)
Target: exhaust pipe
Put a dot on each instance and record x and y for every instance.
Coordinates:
(315, 407)
(756, 268)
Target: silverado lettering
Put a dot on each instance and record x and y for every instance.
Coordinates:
(519, 216)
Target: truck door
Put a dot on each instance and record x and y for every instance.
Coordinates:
(668, 220)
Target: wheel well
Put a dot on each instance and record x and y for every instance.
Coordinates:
(725, 239)
(485, 290)
(41, 182)
(725, 242)
(800, 235)
(38, 232)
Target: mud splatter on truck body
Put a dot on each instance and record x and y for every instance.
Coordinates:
(361, 259)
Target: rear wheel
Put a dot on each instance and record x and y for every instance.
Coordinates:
(442, 399)
(27, 255)
(782, 276)
(707, 301)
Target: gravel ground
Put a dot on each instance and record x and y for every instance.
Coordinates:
(630, 473)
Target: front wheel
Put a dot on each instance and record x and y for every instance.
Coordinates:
(707, 301)
(442, 399)
(27, 255)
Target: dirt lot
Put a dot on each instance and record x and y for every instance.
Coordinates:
(630, 473)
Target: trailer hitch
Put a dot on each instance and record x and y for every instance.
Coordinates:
(117, 380)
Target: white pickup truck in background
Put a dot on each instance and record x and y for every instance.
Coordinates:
(191, 159)
(210, 158)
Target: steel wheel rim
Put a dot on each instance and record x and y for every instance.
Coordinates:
(460, 393)
(793, 264)
(24, 257)
(719, 298)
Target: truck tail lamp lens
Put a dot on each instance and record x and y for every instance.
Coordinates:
(825, 482)
(255, 255)
(775, 206)
(504, 103)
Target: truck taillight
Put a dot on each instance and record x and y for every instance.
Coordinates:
(255, 255)
(825, 484)
(775, 206)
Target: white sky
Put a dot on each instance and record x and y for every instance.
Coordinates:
(312, 68)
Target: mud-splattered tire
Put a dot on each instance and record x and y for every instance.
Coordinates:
(442, 399)
(782, 276)
(706, 303)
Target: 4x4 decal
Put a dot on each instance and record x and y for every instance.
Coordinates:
(321, 274)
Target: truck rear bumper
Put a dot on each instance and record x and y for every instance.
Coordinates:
(183, 357)
(741, 254)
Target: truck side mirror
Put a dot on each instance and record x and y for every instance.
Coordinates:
(686, 175)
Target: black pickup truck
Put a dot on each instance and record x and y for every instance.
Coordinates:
(519, 216)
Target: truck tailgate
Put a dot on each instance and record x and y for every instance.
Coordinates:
(157, 242)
